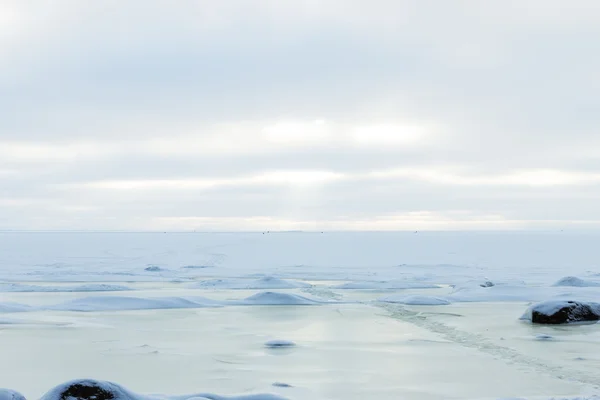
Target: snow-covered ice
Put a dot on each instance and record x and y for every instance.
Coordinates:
(267, 282)
(415, 300)
(279, 299)
(91, 287)
(385, 285)
(395, 315)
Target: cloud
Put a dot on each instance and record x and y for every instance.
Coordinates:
(306, 114)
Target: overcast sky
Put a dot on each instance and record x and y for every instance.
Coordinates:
(299, 114)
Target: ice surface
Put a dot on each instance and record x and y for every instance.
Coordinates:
(415, 300)
(353, 348)
(108, 303)
(91, 287)
(14, 307)
(523, 293)
(111, 391)
(267, 282)
(385, 285)
(279, 299)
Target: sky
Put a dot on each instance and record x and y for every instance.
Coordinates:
(299, 115)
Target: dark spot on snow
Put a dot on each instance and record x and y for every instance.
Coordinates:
(153, 268)
(279, 344)
(282, 385)
(487, 284)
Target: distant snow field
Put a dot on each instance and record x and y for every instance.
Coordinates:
(372, 315)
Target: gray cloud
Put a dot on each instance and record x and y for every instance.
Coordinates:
(145, 114)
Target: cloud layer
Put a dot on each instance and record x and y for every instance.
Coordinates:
(331, 114)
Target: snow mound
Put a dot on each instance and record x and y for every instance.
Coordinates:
(91, 287)
(278, 299)
(416, 300)
(267, 282)
(385, 285)
(277, 344)
(116, 303)
(562, 312)
(88, 389)
(7, 394)
(575, 282)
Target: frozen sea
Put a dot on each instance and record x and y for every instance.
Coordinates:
(320, 316)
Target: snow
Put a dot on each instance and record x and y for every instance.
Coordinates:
(576, 282)
(415, 300)
(267, 282)
(113, 303)
(14, 307)
(363, 345)
(279, 299)
(7, 394)
(111, 390)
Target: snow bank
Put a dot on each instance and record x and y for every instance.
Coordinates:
(385, 285)
(278, 299)
(122, 303)
(7, 394)
(576, 282)
(92, 287)
(267, 282)
(415, 300)
(100, 390)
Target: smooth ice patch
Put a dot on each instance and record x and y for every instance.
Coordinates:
(415, 300)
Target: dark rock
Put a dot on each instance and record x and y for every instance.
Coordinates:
(487, 284)
(563, 312)
(88, 389)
